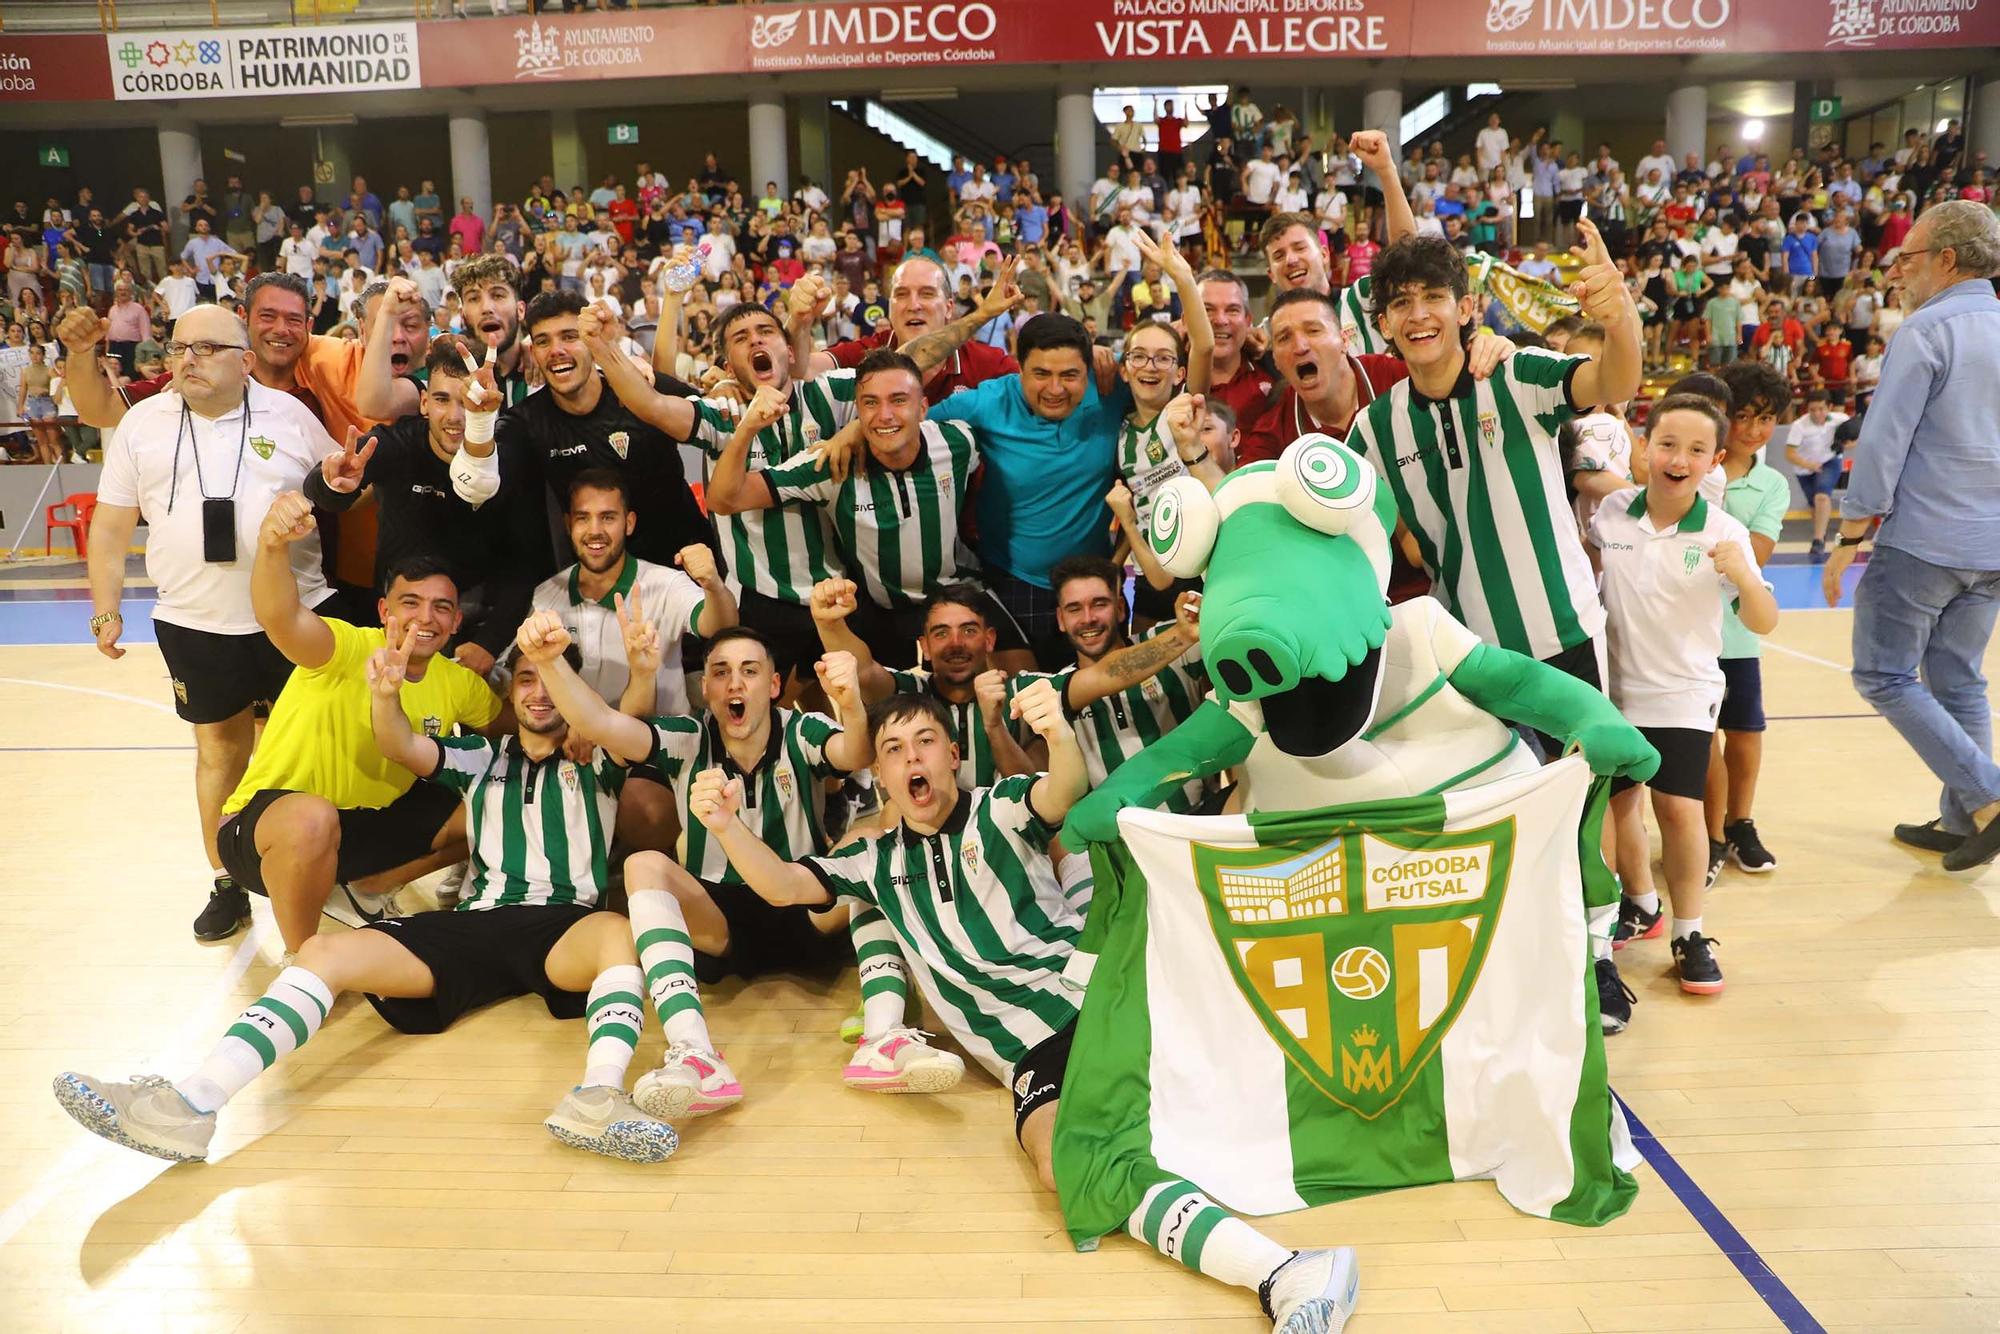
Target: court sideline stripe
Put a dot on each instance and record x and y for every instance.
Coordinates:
(89, 690)
(1828, 663)
(1764, 1281)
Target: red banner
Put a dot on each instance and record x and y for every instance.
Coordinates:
(1697, 27)
(880, 35)
(54, 69)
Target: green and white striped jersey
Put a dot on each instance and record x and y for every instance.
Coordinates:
(1147, 460)
(1112, 730)
(1357, 324)
(540, 830)
(782, 803)
(984, 922)
(1478, 480)
(780, 552)
(898, 531)
(976, 765)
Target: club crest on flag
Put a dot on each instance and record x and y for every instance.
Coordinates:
(620, 441)
(1357, 952)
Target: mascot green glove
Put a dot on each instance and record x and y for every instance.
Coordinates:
(1324, 694)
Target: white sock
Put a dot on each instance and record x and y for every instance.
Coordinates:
(615, 1017)
(289, 1012)
(1183, 1224)
(1650, 900)
(1686, 926)
(885, 979)
(659, 928)
(1601, 921)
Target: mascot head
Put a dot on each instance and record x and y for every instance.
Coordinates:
(1294, 610)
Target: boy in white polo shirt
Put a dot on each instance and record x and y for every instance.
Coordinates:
(1671, 561)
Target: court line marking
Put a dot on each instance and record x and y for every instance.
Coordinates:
(1763, 1280)
(89, 690)
(1841, 667)
(63, 1173)
(45, 750)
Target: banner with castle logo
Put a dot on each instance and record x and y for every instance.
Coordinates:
(1292, 1009)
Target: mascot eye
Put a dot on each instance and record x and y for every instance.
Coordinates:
(1166, 527)
(1328, 475)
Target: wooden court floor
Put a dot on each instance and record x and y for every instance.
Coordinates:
(1840, 1105)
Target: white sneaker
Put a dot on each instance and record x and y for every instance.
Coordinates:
(350, 907)
(689, 1082)
(451, 889)
(1313, 1292)
(900, 1061)
(603, 1120)
(149, 1114)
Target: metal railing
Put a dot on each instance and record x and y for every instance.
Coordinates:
(76, 16)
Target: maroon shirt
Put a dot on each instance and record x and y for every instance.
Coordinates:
(1288, 418)
(969, 367)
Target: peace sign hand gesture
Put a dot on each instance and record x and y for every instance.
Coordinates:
(643, 651)
(389, 666)
(345, 468)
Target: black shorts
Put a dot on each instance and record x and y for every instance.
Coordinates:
(1157, 604)
(1743, 696)
(372, 839)
(766, 938)
(1033, 609)
(891, 633)
(1580, 661)
(216, 676)
(1683, 762)
(795, 645)
(477, 957)
(1038, 1076)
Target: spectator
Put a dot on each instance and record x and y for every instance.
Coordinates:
(1924, 609)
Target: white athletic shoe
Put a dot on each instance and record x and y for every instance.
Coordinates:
(149, 1114)
(689, 1082)
(603, 1120)
(1313, 1292)
(451, 889)
(351, 907)
(900, 1061)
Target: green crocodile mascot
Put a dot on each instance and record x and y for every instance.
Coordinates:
(1324, 694)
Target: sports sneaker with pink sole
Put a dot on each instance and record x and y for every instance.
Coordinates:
(901, 1061)
(689, 1082)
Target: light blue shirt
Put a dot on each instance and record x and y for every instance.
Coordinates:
(203, 252)
(1929, 453)
(1043, 494)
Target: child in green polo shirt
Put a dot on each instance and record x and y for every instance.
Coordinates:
(1757, 496)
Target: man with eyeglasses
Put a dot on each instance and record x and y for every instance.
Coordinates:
(202, 460)
(1926, 465)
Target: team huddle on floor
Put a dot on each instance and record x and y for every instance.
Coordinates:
(834, 705)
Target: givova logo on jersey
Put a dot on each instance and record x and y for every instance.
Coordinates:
(1357, 952)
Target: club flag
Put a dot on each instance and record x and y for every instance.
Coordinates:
(1533, 303)
(1296, 1008)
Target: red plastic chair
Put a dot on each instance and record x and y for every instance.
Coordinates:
(83, 503)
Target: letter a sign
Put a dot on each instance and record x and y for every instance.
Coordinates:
(52, 155)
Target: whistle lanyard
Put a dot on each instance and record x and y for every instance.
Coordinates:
(186, 428)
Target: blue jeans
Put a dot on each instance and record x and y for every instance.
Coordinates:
(1920, 633)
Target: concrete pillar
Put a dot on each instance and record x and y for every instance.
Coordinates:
(1566, 128)
(471, 162)
(816, 144)
(1985, 126)
(1382, 109)
(1076, 147)
(770, 152)
(1687, 123)
(566, 149)
(180, 167)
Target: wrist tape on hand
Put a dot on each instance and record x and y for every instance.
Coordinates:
(479, 425)
(475, 479)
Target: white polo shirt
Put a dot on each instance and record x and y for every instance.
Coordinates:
(279, 443)
(672, 602)
(1663, 604)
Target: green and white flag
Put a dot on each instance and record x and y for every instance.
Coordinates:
(1293, 1009)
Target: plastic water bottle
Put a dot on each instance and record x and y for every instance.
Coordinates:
(680, 277)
